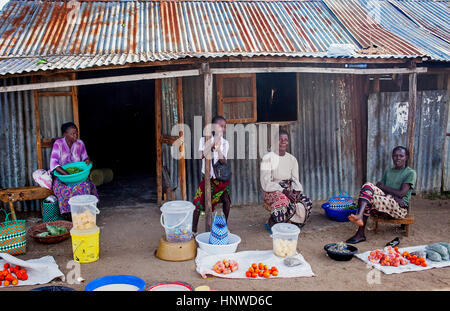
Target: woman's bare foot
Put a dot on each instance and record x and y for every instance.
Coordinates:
(356, 220)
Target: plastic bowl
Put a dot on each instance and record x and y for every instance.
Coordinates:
(338, 215)
(116, 279)
(203, 242)
(340, 256)
(77, 178)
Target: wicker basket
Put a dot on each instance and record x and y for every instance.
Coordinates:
(50, 211)
(33, 231)
(13, 239)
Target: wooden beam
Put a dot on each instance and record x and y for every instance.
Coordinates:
(412, 116)
(181, 161)
(53, 94)
(158, 141)
(93, 81)
(167, 139)
(374, 71)
(208, 95)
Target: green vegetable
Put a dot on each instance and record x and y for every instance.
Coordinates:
(438, 248)
(432, 255)
(447, 245)
(42, 234)
(73, 170)
(55, 230)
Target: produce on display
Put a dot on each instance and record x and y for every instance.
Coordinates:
(12, 275)
(415, 259)
(73, 170)
(261, 270)
(340, 247)
(447, 245)
(388, 256)
(226, 266)
(284, 247)
(52, 230)
(440, 249)
(83, 221)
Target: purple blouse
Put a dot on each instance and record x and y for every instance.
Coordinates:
(62, 154)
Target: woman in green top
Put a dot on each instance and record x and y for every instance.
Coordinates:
(389, 197)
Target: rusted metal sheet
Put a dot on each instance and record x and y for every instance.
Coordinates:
(101, 33)
(387, 128)
(446, 170)
(17, 140)
(433, 15)
(379, 23)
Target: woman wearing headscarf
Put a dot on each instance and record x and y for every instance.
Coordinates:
(282, 190)
(389, 197)
(66, 150)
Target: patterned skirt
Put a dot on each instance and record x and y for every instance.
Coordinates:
(64, 192)
(380, 202)
(282, 209)
(218, 189)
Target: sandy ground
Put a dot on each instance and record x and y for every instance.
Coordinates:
(129, 237)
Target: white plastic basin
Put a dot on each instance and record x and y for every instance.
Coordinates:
(203, 242)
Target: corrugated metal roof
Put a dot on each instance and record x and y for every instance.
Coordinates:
(375, 22)
(119, 32)
(433, 15)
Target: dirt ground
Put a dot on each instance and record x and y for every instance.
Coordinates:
(129, 237)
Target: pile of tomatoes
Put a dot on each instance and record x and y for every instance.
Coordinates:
(7, 275)
(390, 256)
(261, 270)
(225, 266)
(418, 261)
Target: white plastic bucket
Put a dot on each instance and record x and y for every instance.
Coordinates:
(84, 210)
(285, 238)
(176, 218)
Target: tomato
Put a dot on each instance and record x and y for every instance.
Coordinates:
(248, 274)
(267, 274)
(254, 266)
(275, 273)
(6, 283)
(24, 277)
(260, 273)
(251, 270)
(254, 275)
(266, 267)
(6, 265)
(14, 282)
(274, 269)
(423, 264)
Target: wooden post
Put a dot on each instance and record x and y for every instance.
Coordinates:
(412, 115)
(182, 161)
(158, 141)
(37, 125)
(208, 89)
(76, 118)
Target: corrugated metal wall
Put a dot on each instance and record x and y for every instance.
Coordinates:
(446, 171)
(17, 139)
(323, 140)
(18, 133)
(387, 128)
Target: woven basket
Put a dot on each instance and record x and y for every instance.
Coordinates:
(33, 231)
(50, 211)
(13, 239)
(341, 201)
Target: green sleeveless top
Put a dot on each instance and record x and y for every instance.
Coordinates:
(394, 179)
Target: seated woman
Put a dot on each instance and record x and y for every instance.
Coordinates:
(66, 150)
(389, 197)
(282, 190)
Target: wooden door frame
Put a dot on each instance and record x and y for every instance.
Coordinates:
(169, 140)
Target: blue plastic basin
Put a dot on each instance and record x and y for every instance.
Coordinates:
(75, 178)
(116, 279)
(338, 215)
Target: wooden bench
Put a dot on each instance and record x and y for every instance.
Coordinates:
(406, 222)
(11, 195)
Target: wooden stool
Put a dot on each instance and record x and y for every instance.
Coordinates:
(407, 221)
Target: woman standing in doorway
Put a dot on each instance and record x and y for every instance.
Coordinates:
(217, 149)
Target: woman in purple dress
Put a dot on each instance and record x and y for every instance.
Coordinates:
(66, 150)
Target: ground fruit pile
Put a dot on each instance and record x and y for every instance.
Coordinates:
(7, 275)
(390, 256)
(261, 270)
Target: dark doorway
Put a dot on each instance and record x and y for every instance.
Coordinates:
(117, 126)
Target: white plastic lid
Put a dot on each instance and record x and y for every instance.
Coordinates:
(84, 199)
(285, 229)
(177, 206)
